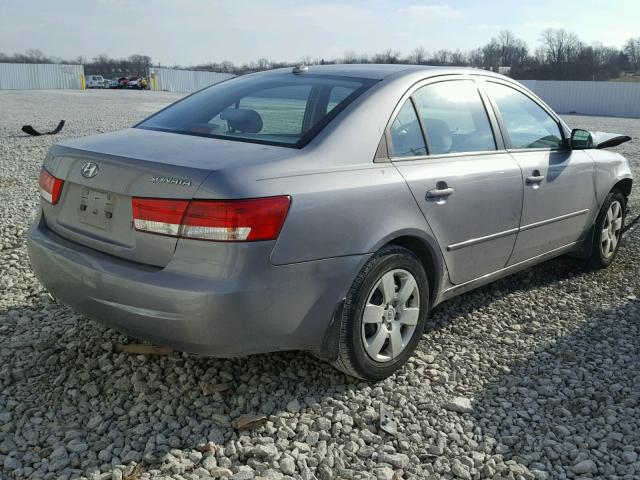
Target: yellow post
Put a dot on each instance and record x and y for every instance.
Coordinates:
(154, 82)
(83, 85)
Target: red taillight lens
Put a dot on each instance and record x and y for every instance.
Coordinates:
(217, 220)
(50, 187)
(158, 216)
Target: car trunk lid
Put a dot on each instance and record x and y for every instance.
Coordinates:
(101, 175)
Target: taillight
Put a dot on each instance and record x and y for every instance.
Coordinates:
(217, 220)
(50, 187)
(158, 216)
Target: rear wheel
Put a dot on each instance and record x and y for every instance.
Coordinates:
(384, 315)
(608, 230)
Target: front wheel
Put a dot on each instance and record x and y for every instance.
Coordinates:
(384, 315)
(608, 230)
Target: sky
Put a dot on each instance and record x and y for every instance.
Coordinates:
(189, 32)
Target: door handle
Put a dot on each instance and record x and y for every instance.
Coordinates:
(535, 178)
(441, 190)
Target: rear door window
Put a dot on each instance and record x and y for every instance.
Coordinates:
(454, 117)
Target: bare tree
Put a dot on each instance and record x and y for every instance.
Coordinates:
(458, 58)
(35, 56)
(632, 51)
(560, 46)
(513, 50)
(350, 56)
(306, 60)
(388, 56)
(140, 64)
(263, 64)
(476, 58)
(540, 55)
(492, 55)
(442, 57)
(227, 66)
(418, 56)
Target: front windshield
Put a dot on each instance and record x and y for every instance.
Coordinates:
(283, 110)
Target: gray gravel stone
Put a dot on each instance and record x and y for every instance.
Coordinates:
(287, 466)
(265, 452)
(219, 472)
(585, 466)
(460, 470)
(384, 473)
(460, 405)
(398, 460)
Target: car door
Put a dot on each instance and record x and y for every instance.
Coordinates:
(468, 188)
(558, 181)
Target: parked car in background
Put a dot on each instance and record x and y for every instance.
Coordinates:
(94, 81)
(326, 209)
(134, 82)
(113, 83)
(123, 82)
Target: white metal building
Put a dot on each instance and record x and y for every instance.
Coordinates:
(172, 80)
(618, 99)
(40, 76)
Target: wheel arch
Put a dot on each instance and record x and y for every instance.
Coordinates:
(428, 256)
(427, 251)
(624, 185)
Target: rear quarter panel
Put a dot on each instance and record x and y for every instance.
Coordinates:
(335, 211)
(342, 213)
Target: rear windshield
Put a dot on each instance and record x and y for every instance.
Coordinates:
(273, 109)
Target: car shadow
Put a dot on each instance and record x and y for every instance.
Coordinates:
(574, 399)
(544, 274)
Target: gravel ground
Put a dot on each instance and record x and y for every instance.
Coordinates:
(535, 376)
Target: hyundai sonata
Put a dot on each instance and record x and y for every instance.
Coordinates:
(324, 208)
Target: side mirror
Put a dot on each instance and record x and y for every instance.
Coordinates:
(608, 140)
(581, 139)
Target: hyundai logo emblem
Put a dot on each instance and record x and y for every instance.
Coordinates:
(89, 170)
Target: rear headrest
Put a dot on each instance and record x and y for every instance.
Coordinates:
(439, 136)
(244, 120)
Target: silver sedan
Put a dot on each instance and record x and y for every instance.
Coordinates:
(326, 208)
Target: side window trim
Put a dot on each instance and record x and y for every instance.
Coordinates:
(423, 130)
(494, 119)
(416, 110)
(487, 103)
(505, 134)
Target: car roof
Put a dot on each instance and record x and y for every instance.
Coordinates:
(381, 71)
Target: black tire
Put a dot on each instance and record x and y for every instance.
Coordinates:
(598, 257)
(352, 358)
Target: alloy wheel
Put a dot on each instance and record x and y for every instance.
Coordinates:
(390, 315)
(611, 229)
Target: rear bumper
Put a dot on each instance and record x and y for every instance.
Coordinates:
(212, 298)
